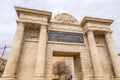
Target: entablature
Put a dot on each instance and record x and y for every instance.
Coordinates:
(96, 24)
(65, 27)
(31, 15)
(95, 28)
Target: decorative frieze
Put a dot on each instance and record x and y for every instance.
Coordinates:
(65, 28)
(34, 17)
(100, 28)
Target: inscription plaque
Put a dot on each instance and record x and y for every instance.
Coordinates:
(65, 37)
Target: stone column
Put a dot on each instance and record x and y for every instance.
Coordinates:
(10, 69)
(113, 53)
(48, 70)
(97, 67)
(77, 67)
(40, 59)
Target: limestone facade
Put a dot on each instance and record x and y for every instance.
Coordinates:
(32, 52)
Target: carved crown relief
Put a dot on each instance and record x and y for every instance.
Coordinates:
(99, 39)
(65, 18)
(31, 33)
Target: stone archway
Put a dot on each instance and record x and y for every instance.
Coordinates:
(64, 53)
(42, 35)
(77, 64)
(77, 72)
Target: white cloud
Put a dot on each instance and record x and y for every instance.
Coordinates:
(77, 8)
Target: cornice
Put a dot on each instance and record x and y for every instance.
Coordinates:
(64, 24)
(101, 30)
(30, 21)
(86, 19)
(34, 11)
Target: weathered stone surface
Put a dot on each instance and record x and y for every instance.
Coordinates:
(32, 53)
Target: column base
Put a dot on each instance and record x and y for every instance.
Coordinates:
(48, 78)
(7, 78)
(115, 78)
(98, 78)
(39, 78)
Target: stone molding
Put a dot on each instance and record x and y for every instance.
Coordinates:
(33, 17)
(96, 24)
(68, 28)
(31, 21)
(64, 43)
(95, 28)
(102, 20)
(27, 10)
(26, 15)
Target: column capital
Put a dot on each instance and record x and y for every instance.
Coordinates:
(108, 33)
(19, 21)
(94, 54)
(44, 24)
(89, 30)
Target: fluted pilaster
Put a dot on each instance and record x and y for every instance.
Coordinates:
(14, 54)
(97, 67)
(113, 53)
(40, 61)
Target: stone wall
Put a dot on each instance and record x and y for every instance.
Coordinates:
(26, 64)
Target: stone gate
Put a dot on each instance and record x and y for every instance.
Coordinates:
(39, 37)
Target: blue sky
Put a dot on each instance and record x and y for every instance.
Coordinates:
(78, 8)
